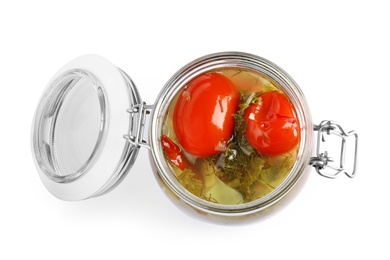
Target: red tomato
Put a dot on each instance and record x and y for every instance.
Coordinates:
(203, 117)
(272, 125)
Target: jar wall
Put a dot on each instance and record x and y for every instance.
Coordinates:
(211, 63)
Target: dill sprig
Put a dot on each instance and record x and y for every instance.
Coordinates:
(188, 180)
(242, 164)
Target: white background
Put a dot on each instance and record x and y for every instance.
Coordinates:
(338, 52)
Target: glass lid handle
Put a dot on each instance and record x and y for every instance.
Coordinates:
(332, 136)
(138, 114)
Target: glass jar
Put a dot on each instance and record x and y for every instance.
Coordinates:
(90, 124)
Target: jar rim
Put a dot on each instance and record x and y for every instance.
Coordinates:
(214, 62)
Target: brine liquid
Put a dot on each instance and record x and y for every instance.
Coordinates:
(235, 175)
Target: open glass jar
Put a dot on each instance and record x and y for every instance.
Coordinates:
(90, 124)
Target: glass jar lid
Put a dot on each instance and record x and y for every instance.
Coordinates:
(79, 127)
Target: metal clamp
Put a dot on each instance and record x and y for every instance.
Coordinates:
(324, 164)
(137, 124)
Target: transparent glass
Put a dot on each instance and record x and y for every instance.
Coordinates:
(217, 62)
(87, 120)
(71, 125)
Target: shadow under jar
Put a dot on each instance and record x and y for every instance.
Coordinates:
(230, 133)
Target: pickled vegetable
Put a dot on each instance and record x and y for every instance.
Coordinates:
(271, 124)
(231, 136)
(203, 117)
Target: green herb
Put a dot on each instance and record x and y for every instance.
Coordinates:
(188, 180)
(241, 164)
(245, 170)
(238, 71)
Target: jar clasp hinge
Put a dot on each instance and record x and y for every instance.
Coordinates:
(138, 114)
(324, 164)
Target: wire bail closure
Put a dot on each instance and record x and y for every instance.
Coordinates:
(324, 164)
(137, 124)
